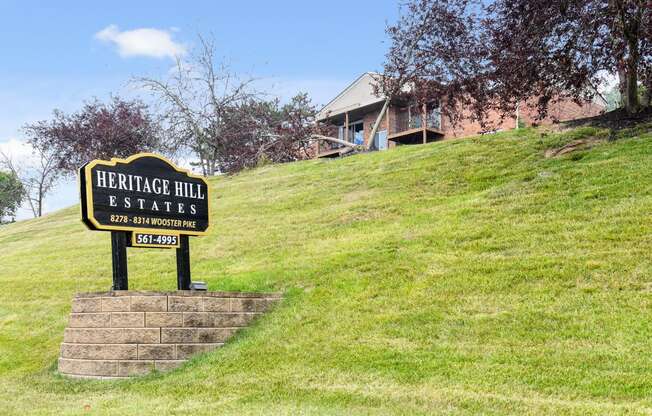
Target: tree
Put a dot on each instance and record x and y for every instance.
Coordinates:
(98, 131)
(263, 130)
(37, 177)
(292, 134)
(244, 129)
(194, 100)
(561, 48)
(11, 194)
(494, 55)
(437, 53)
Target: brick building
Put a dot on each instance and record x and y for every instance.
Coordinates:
(356, 109)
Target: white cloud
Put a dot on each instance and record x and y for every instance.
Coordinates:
(18, 151)
(155, 43)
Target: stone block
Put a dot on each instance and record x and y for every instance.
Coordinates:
(245, 305)
(134, 368)
(216, 319)
(149, 303)
(242, 305)
(89, 320)
(168, 364)
(197, 319)
(185, 304)
(127, 319)
(88, 367)
(157, 351)
(82, 305)
(112, 335)
(230, 320)
(100, 351)
(213, 335)
(116, 304)
(185, 351)
(163, 319)
(216, 304)
(179, 335)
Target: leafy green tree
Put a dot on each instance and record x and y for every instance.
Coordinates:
(11, 195)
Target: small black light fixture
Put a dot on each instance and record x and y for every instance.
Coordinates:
(199, 286)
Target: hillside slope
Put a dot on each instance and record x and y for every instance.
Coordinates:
(468, 276)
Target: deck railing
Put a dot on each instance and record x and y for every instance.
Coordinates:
(408, 120)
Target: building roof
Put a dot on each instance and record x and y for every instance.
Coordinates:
(360, 93)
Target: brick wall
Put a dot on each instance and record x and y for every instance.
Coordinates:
(468, 127)
(370, 118)
(122, 334)
(564, 110)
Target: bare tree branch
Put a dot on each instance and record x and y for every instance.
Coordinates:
(38, 180)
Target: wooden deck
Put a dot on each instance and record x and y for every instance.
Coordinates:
(413, 131)
(416, 136)
(334, 152)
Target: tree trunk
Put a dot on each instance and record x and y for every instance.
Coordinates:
(334, 140)
(632, 104)
(40, 201)
(630, 88)
(622, 84)
(627, 26)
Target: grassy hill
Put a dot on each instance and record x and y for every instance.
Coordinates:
(462, 277)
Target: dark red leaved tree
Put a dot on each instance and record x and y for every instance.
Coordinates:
(255, 131)
(118, 128)
(493, 55)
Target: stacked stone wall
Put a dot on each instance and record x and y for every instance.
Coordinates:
(123, 334)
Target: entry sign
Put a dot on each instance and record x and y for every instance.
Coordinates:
(144, 193)
(144, 201)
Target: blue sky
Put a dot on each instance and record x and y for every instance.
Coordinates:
(58, 54)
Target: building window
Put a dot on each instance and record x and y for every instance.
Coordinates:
(356, 132)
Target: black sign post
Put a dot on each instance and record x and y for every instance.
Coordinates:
(119, 258)
(145, 201)
(183, 264)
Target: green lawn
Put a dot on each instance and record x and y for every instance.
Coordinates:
(470, 276)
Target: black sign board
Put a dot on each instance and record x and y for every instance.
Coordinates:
(145, 201)
(144, 192)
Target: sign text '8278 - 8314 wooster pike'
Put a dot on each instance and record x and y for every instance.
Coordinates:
(145, 201)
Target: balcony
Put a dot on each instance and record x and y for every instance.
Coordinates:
(408, 119)
(408, 127)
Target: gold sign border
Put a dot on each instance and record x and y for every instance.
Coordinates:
(114, 162)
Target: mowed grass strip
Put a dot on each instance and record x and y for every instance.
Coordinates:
(461, 277)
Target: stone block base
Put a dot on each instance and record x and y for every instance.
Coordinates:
(122, 333)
